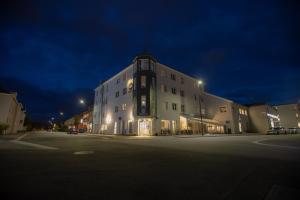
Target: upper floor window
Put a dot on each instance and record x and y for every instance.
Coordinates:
(182, 80)
(124, 106)
(116, 108)
(223, 109)
(182, 93)
(124, 91)
(166, 105)
(118, 81)
(173, 77)
(117, 93)
(163, 88)
(144, 64)
(174, 106)
(173, 90)
(143, 81)
(143, 103)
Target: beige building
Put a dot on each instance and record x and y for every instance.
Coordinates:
(289, 115)
(263, 117)
(11, 112)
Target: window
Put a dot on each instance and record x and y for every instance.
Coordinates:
(182, 93)
(173, 90)
(118, 81)
(182, 80)
(152, 66)
(116, 109)
(182, 108)
(166, 105)
(143, 103)
(174, 106)
(124, 91)
(223, 109)
(117, 93)
(163, 88)
(145, 64)
(143, 81)
(195, 97)
(124, 106)
(173, 77)
(245, 111)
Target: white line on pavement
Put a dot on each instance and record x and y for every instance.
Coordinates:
(34, 145)
(20, 137)
(259, 142)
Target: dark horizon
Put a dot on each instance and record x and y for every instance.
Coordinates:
(53, 53)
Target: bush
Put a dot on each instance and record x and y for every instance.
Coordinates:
(3, 127)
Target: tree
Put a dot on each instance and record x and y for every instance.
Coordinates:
(3, 127)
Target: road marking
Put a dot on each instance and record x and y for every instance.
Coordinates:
(39, 146)
(83, 152)
(259, 142)
(21, 137)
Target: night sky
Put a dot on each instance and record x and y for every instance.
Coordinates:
(53, 52)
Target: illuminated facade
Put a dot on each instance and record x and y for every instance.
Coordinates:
(289, 115)
(263, 117)
(149, 98)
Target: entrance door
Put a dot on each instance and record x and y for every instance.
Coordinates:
(144, 127)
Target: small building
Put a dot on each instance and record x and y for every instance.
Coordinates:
(11, 112)
(289, 115)
(82, 121)
(263, 117)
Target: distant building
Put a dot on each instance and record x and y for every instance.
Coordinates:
(263, 117)
(233, 116)
(82, 121)
(11, 112)
(289, 115)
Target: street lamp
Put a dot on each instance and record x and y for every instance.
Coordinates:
(81, 101)
(200, 83)
(61, 113)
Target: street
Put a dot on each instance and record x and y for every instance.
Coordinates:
(46, 165)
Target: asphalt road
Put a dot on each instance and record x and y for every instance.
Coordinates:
(60, 166)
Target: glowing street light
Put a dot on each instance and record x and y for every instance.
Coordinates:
(61, 113)
(81, 101)
(200, 82)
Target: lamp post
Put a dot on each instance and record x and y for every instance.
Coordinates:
(200, 83)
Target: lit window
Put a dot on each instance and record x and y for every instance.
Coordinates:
(124, 106)
(143, 81)
(174, 106)
(143, 104)
(245, 111)
(223, 109)
(173, 90)
(297, 115)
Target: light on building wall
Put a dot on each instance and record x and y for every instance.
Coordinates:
(108, 119)
(131, 118)
(200, 82)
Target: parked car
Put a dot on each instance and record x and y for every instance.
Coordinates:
(276, 131)
(72, 131)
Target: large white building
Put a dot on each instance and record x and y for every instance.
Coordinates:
(11, 112)
(149, 98)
